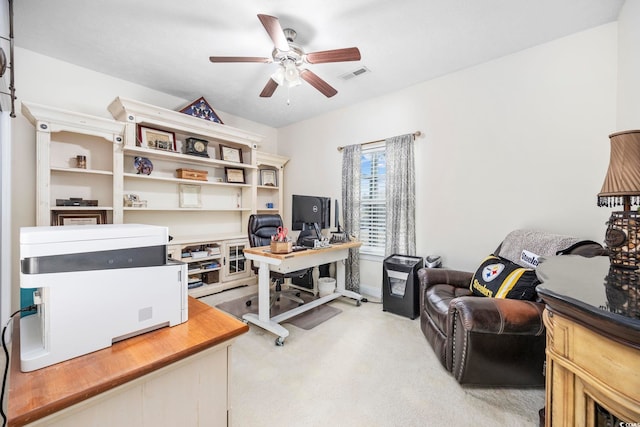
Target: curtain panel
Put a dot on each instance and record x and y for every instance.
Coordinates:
(351, 211)
(400, 196)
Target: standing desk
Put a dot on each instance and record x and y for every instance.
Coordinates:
(286, 263)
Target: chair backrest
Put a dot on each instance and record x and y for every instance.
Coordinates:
(262, 227)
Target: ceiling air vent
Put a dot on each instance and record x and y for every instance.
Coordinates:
(360, 71)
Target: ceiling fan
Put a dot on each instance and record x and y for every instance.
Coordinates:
(290, 56)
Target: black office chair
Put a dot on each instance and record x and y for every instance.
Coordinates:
(261, 228)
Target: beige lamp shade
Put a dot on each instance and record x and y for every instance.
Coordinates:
(622, 183)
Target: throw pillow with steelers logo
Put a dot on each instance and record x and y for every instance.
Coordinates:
(500, 278)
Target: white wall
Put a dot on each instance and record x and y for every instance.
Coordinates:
(517, 142)
(44, 80)
(629, 66)
(5, 215)
(5, 174)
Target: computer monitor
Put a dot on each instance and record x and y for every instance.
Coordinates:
(306, 211)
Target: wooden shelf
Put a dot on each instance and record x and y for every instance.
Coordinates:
(183, 158)
(82, 171)
(184, 181)
(203, 270)
(81, 208)
(183, 210)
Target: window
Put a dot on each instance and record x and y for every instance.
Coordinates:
(373, 209)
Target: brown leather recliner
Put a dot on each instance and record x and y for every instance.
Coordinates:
(485, 341)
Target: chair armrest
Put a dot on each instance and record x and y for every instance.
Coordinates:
(494, 341)
(496, 315)
(442, 276)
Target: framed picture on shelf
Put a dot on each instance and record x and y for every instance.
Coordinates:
(269, 177)
(89, 217)
(157, 139)
(230, 154)
(234, 175)
(190, 196)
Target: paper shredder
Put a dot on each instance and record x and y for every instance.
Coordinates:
(400, 285)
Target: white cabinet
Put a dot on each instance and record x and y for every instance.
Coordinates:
(235, 265)
(62, 136)
(214, 265)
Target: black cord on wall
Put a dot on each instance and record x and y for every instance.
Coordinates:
(6, 364)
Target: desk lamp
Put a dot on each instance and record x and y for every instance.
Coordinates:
(622, 188)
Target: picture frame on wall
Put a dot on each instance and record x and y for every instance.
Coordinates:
(88, 217)
(234, 175)
(230, 154)
(269, 177)
(156, 139)
(190, 196)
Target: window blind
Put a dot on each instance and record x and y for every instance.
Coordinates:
(373, 209)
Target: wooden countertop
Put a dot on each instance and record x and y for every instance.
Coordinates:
(34, 395)
(593, 293)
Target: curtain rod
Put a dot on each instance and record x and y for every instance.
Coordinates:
(415, 135)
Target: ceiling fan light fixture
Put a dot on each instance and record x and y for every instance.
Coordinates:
(291, 73)
(278, 76)
(294, 83)
(287, 74)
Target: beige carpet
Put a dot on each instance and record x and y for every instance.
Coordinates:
(307, 320)
(364, 367)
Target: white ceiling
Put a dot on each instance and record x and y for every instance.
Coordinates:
(166, 44)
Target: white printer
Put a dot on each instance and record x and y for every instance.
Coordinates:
(95, 285)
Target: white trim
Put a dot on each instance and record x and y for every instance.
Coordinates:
(371, 290)
(5, 216)
(368, 256)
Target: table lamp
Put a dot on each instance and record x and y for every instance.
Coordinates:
(622, 188)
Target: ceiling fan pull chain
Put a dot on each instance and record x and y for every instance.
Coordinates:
(288, 95)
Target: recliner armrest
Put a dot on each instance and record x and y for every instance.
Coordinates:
(442, 276)
(496, 315)
(495, 341)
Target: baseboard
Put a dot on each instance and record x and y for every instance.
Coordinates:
(370, 291)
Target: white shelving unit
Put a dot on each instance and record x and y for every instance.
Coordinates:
(270, 193)
(198, 213)
(218, 207)
(61, 136)
(215, 264)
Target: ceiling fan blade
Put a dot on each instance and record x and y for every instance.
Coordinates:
(269, 88)
(272, 25)
(239, 59)
(315, 81)
(336, 55)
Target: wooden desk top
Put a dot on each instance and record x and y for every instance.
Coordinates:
(266, 250)
(592, 292)
(34, 395)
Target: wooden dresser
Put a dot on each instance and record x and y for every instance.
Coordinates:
(171, 376)
(593, 342)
